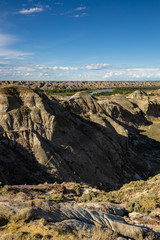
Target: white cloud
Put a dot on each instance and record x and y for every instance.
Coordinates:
(96, 66)
(76, 11)
(64, 68)
(12, 54)
(71, 68)
(76, 16)
(27, 74)
(80, 15)
(133, 73)
(80, 8)
(31, 10)
(25, 71)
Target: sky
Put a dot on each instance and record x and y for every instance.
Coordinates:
(79, 40)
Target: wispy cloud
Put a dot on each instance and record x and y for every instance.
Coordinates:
(6, 53)
(80, 8)
(80, 15)
(7, 39)
(100, 71)
(76, 12)
(31, 10)
(73, 68)
(96, 66)
(27, 71)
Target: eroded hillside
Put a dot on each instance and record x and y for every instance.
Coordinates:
(81, 148)
(43, 140)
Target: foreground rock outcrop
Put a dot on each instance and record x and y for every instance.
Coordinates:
(71, 218)
(32, 211)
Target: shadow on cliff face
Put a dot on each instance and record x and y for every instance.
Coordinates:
(18, 165)
(78, 150)
(145, 148)
(84, 151)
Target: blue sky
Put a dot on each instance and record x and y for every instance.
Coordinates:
(79, 40)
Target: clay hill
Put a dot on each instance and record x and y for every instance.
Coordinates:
(59, 157)
(42, 140)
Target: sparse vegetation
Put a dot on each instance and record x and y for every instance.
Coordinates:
(4, 190)
(90, 197)
(141, 196)
(37, 232)
(57, 198)
(151, 94)
(66, 91)
(77, 189)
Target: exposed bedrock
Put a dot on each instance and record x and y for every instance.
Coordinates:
(71, 218)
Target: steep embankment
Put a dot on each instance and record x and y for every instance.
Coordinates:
(42, 140)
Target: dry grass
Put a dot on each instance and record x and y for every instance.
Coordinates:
(141, 196)
(43, 231)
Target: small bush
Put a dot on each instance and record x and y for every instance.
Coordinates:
(57, 198)
(4, 189)
(90, 196)
(77, 189)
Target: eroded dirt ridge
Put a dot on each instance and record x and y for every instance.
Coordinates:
(81, 84)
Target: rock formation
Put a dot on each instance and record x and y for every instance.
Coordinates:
(71, 218)
(151, 107)
(81, 84)
(41, 140)
(81, 140)
(30, 211)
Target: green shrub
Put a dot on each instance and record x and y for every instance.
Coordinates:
(4, 189)
(57, 198)
(77, 189)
